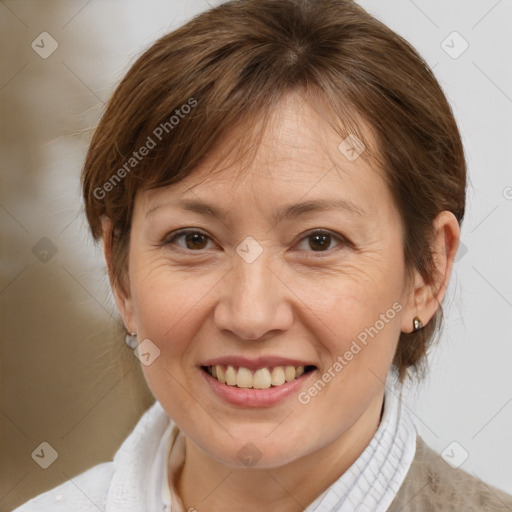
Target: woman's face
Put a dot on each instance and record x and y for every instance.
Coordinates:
(264, 287)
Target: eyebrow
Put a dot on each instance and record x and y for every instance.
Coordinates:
(287, 212)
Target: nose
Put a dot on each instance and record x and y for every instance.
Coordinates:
(253, 302)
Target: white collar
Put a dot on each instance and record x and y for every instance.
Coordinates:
(135, 462)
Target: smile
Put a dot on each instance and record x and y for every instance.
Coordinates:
(261, 378)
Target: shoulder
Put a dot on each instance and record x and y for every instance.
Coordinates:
(432, 484)
(82, 493)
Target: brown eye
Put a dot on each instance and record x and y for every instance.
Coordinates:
(321, 241)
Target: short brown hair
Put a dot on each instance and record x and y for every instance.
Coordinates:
(238, 60)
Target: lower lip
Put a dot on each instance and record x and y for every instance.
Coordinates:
(244, 397)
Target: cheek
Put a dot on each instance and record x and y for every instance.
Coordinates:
(356, 325)
(167, 309)
(350, 301)
(164, 297)
(362, 336)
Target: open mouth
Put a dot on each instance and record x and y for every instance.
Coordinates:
(262, 378)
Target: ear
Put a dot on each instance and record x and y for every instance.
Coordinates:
(122, 296)
(424, 299)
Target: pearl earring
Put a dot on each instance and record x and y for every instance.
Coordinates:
(131, 340)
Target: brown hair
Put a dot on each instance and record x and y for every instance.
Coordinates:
(236, 61)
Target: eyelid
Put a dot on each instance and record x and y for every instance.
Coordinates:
(168, 239)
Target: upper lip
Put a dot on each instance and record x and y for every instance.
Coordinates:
(255, 363)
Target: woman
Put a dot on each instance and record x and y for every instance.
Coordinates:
(279, 188)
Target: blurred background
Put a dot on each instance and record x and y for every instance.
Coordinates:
(67, 377)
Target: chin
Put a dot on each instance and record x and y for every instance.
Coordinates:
(254, 448)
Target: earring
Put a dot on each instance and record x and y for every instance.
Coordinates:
(417, 324)
(131, 340)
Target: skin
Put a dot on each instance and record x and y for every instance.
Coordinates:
(201, 300)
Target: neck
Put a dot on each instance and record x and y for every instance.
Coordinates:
(207, 484)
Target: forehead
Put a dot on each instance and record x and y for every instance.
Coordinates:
(298, 155)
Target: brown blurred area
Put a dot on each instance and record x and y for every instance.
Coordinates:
(67, 377)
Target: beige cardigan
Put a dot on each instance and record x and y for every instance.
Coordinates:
(432, 485)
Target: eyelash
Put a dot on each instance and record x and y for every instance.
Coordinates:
(343, 241)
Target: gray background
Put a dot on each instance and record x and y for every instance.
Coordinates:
(68, 379)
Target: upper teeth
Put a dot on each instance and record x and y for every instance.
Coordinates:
(262, 378)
